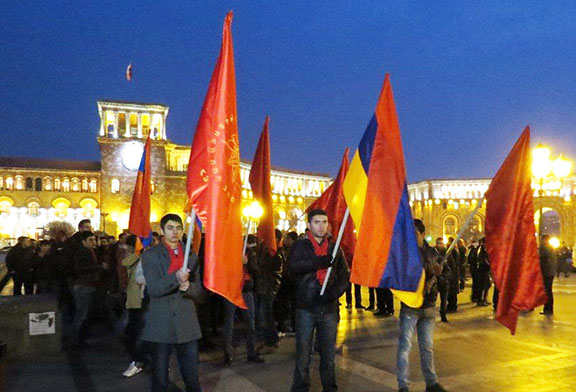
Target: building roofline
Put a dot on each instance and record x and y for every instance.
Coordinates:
(45, 163)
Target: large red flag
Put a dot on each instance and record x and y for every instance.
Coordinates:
(332, 201)
(139, 222)
(214, 178)
(262, 189)
(510, 236)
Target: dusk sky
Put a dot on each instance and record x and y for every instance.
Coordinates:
(467, 76)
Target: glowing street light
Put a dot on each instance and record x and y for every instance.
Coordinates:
(561, 167)
(541, 163)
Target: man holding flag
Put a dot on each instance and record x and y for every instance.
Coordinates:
(309, 261)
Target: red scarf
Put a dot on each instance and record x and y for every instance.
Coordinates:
(176, 260)
(319, 250)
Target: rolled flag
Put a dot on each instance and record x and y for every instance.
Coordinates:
(129, 72)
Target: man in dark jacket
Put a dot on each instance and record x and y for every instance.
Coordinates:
(483, 274)
(444, 279)
(454, 284)
(171, 320)
(420, 320)
(267, 286)
(548, 267)
(309, 261)
(19, 263)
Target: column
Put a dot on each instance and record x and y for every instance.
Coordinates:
(162, 130)
(127, 131)
(139, 125)
(102, 120)
(116, 124)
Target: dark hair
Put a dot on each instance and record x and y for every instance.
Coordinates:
(419, 226)
(252, 239)
(82, 222)
(440, 239)
(21, 238)
(315, 212)
(84, 235)
(45, 242)
(293, 236)
(155, 234)
(131, 240)
(544, 237)
(278, 234)
(122, 235)
(170, 217)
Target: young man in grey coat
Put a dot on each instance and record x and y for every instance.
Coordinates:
(171, 321)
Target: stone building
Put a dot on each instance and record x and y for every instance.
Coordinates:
(34, 192)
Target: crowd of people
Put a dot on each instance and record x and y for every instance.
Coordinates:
(99, 279)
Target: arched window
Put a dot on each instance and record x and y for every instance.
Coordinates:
(115, 185)
(93, 186)
(29, 183)
(19, 183)
(38, 184)
(75, 184)
(9, 184)
(84, 185)
(33, 209)
(47, 183)
(66, 185)
(450, 226)
(57, 185)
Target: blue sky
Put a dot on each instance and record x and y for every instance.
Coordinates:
(467, 76)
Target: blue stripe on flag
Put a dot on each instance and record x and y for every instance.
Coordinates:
(367, 144)
(404, 266)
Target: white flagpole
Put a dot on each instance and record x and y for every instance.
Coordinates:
(248, 225)
(192, 217)
(336, 247)
(461, 232)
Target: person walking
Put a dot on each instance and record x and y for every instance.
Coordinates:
(548, 267)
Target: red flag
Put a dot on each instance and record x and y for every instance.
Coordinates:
(213, 183)
(262, 189)
(129, 72)
(510, 236)
(139, 222)
(332, 201)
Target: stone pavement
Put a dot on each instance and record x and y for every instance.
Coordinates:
(473, 354)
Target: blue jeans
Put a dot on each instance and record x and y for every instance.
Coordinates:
(83, 301)
(266, 321)
(248, 318)
(422, 321)
(187, 355)
(326, 326)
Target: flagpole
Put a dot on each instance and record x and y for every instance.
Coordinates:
(461, 232)
(192, 217)
(336, 247)
(248, 225)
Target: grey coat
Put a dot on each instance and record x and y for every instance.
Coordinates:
(171, 315)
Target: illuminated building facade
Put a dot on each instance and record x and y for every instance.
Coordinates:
(444, 206)
(34, 192)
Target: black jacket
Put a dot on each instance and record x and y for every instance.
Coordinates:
(20, 260)
(303, 264)
(547, 261)
(269, 275)
(87, 268)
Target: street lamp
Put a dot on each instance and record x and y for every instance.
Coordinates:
(252, 211)
(542, 167)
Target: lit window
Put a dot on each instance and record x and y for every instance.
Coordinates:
(93, 186)
(19, 183)
(84, 185)
(33, 209)
(152, 186)
(47, 183)
(75, 185)
(66, 185)
(57, 184)
(115, 186)
(1, 183)
(449, 226)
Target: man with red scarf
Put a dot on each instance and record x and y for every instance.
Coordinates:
(308, 263)
(171, 320)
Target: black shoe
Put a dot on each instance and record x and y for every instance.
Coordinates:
(370, 307)
(547, 313)
(227, 360)
(403, 390)
(255, 358)
(443, 318)
(389, 313)
(435, 388)
(380, 313)
(360, 307)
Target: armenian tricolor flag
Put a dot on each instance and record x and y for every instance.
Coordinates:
(387, 254)
(139, 222)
